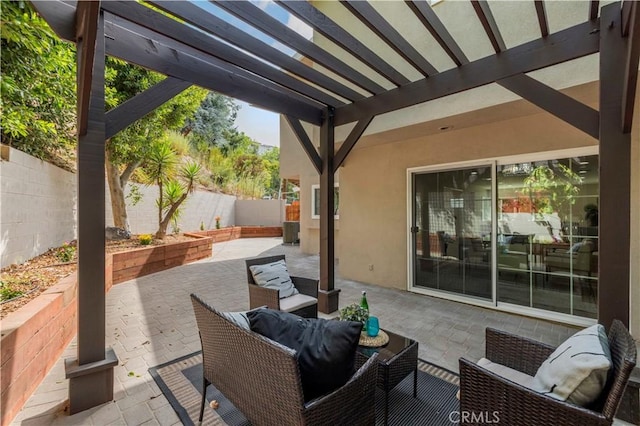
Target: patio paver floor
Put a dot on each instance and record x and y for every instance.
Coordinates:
(150, 321)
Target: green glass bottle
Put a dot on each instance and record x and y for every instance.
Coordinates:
(364, 305)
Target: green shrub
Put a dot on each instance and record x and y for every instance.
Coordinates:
(354, 312)
(66, 253)
(8, 293)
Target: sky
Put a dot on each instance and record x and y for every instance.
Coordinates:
(261, 125)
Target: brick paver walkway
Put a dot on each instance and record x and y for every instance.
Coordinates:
(150, 321)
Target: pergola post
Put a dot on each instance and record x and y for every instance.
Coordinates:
(615, 174)
(327, 294)
(91, 374)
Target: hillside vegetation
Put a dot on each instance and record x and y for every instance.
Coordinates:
(190, 138)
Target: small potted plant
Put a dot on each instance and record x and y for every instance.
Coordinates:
(354, 312)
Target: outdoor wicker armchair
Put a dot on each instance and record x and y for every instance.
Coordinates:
(261, 296)
(482, 391)
(262, 378)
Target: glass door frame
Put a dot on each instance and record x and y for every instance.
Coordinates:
(493, 303)
(411, 255)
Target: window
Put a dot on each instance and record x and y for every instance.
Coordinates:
(315, 201)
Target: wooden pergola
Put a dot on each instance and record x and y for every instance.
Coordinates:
(191, 45)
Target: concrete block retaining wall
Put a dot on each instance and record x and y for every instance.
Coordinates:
(34, 336)
(37, 206)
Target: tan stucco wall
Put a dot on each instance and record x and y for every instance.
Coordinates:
(295, 164)
(374, 186)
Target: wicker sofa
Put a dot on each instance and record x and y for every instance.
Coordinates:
(261, 378)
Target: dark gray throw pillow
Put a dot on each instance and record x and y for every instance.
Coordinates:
(325, 349)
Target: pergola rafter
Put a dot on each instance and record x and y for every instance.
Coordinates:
(199, 47)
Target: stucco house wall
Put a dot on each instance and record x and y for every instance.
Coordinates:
(484, 123)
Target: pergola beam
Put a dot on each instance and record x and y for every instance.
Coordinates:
(555, 102)
(206, 44)
(327, 294)
(142, 104)
(572, 43)
(86, 27)
(489, 24)
(614, 242)
(128, 44)
(212, 24)
(305, 141)
(542, 18)
(594, 7)
(259, 19)
(632, 59)
(328, 28)
(430, 20)
(350, 142)
(91, 374)
(383, 29)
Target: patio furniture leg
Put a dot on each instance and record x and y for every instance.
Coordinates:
(415, 382)
(205, 383)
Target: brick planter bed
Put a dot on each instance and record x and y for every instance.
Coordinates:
(234, 232)
(138, 262)
(34, 336)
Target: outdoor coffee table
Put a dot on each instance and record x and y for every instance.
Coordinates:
(396, 360)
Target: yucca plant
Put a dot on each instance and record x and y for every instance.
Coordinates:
(175, 193)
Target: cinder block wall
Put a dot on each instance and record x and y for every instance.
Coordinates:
(37, 206)
(200, 206)
(259, 212)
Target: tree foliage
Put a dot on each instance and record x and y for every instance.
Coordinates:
(38, 96)
(212, 121)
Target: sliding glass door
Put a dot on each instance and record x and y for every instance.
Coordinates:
(545, 222)
(547, 233)
(452, 231)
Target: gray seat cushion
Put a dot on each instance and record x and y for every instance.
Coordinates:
(297, 301)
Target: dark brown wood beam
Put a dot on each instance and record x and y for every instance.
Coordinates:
(208, 45)
(343, 38)
(594, 8)
(259, 19)
(430, 20)
(350, 142)
(210, 23)
(60, 16)
(142, 104)
(383, 29)
(630, 65)
(91, 374)
(305, 141)
(627, 13)
(542, 18)
(565, 45)
(489, 24)
(614, 242)
(129, 44)
(327, 294)
(86, 25)
(571, 111)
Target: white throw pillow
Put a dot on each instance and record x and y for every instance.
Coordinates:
(238, 318)
(274, 275)
(577, 370)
